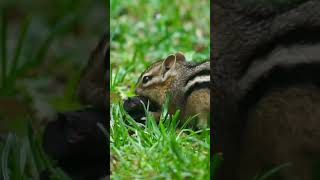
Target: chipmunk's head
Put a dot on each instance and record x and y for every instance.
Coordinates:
(156, 81)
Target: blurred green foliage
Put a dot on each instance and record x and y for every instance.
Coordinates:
(43, 47)
(28, 161)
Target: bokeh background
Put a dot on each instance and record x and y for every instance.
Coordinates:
(44, 45)
(51, 42)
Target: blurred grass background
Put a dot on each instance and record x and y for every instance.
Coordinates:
(142, 32)
(43, 47)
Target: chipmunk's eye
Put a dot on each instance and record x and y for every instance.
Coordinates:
(146, 79)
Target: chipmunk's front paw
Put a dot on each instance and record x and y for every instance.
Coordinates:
(134, 107)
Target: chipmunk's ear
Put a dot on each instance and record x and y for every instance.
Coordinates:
(168, 64)
(180, 57)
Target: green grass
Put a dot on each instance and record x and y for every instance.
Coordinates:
(157, 150)
(141, 33)
(24, 158)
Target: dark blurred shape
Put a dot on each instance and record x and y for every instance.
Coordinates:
(93, 83)
(266, 93)
(78, 144)
(134, 107)
(49, 41)
(74, 139)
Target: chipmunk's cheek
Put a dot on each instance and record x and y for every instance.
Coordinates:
(161, 98)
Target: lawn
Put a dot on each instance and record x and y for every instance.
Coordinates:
(141, 33)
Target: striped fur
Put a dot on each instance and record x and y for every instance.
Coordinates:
(178, 77)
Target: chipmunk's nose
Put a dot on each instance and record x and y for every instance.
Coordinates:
(137, 91)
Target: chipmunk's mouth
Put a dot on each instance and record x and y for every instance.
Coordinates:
(153, 106)
(136, 104)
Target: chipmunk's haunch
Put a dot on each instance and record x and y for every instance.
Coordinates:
(188, 85)
(266, 73)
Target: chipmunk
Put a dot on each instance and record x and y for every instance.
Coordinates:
(93, 82)
(188, 85)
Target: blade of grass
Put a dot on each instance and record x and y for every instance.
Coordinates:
(39, 56)
(14, 159)
(59, 174)
(38, 164)
(174, 146)
(21, 39)
(5, 157)
(59, 27)
(103, 129)
(273, 171)
(23, 155)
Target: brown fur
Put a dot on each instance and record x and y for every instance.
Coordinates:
(157, 92)
(283, 128)
(176, 72)
(201, 96)
(264, 115)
